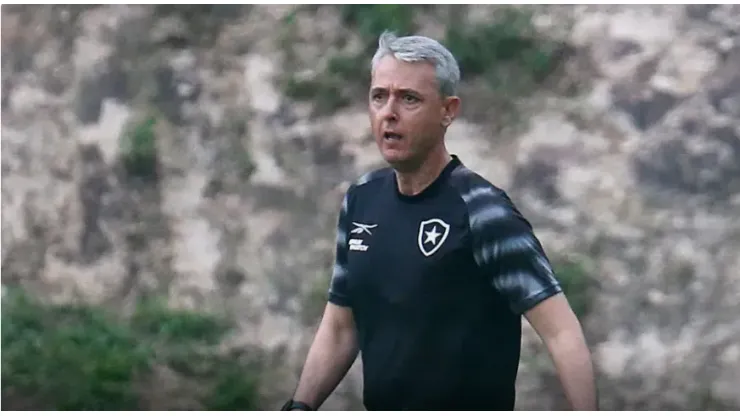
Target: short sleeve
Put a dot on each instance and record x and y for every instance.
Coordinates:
(510, 255)
(338, 290)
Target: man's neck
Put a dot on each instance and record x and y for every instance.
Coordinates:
(414, 182)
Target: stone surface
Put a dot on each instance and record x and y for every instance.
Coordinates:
(639, 174)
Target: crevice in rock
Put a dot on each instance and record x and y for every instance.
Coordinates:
(541, 176)
(146, 234)
(645, 107)
(93, 187)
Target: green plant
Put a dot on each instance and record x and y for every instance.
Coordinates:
(370, 20)
(316, 298)
(69, 357)
(234, 387)
(508, 55)
(325, 93)
(704, 399)
(510, 38)
(139, 149)
(511, 58)
(205, 21)
(153, 319)
(576, 285)
(347, 72)
(64, 357)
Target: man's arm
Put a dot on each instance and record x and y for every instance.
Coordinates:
(558, 326)
(334, 347)
(508, 251)
(332, 353)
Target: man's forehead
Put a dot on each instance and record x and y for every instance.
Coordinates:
(393, 73)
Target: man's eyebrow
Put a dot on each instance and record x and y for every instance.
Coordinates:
(408, 91)
(400, 90)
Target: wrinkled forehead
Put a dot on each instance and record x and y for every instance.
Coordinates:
(391, 73)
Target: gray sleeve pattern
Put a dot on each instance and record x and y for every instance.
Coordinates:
(338, 290)
(507, 250)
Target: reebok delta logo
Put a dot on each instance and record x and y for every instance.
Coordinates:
(355, 244)
(362, 228)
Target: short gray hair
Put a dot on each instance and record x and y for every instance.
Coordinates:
(421, 48)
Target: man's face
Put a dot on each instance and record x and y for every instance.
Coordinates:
(407, 113)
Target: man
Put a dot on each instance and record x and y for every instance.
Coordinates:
(434, 265)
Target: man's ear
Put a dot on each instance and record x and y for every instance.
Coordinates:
(450, 110)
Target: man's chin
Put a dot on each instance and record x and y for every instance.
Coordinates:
(400, 163)
(395, 158)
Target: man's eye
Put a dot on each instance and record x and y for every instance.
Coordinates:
(410, 99)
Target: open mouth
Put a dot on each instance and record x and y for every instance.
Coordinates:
(392, 136)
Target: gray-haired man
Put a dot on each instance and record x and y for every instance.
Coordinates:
(434, 265)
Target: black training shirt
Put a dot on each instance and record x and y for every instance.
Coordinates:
(437, 283)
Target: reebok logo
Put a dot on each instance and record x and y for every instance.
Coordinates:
(362, 228)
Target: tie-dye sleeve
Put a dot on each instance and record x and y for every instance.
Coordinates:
(508, 252)
(338, 290)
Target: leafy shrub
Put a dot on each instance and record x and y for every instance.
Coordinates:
(576, 285)
(347, 73)
(85, 358)
(509, 40)
(69, 358)
(507, 53)
(325, 93)
(370, 20)
(139, 149)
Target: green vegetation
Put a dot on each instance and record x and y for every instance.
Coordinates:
(370, 20)
(508, 45)
(139, 149)
(347, 73)
(706, 400)
(61, 357)
(576, 284)
(315, 301)
(508, 55)
(325, 93)
(69, 358)
(204, 21)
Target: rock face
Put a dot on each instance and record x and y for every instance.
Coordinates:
(639, 175)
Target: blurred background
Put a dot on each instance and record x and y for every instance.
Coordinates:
(171, 177)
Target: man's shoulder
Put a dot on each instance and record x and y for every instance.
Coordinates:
(487, 205)
(473, 188)
(370, 179)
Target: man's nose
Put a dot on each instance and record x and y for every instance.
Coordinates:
(389, 111)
